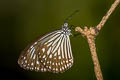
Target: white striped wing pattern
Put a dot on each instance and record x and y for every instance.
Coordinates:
(51, 53)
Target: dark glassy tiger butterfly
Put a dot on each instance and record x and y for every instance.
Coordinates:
(50, 53)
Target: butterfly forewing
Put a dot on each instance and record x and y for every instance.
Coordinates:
(29, 58)
(52, 53)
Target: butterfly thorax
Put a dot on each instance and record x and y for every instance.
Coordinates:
(65, 29)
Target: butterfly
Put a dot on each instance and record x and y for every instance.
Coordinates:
(50, 53)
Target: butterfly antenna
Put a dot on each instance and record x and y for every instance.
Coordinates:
(69, 17)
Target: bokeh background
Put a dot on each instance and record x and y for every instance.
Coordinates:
(22, 21)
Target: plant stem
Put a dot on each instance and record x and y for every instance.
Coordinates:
(97, 68)
(105, 18)
(90, 35)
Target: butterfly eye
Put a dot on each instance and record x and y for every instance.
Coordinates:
(51, 52)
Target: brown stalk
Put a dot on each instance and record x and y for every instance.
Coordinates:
(91, 33)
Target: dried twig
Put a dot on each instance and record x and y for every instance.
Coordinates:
(90, 35)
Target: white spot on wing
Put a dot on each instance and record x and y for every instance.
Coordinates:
(41, 69)
(61, 62)
(31, 46)
(50, 56)
(32, 68)
(37, 62)
(52, 63)
(50, 67)
(59, 57)
(53, 68)
(58, 63)
(63, 68)
(56, 69)
(48, 62)
(44, 56)
(25, 61)
(45, 69)
(37, 68)
(66, 61)
(32, 63)
(44, 63)
(55, 54)
(43, 49)
(35, 43)
(60, 69)
(67, 65)
(24, 57)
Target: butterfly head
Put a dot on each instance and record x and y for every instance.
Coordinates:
(65, 29)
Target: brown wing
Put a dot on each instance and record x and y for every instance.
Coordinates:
(50, 53)
(29, 58)
(58, 56)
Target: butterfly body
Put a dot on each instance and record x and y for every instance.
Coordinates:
(50, 53)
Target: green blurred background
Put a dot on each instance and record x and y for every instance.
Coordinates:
(22, 21)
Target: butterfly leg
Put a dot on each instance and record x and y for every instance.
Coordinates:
(72, 27)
